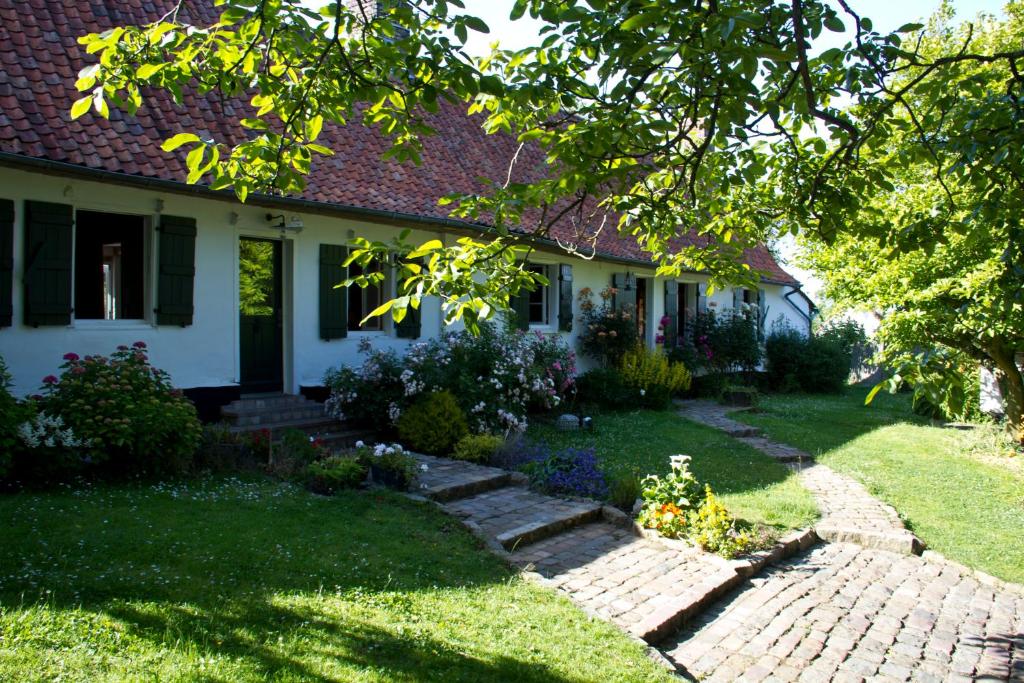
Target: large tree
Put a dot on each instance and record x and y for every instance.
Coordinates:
(943, 258)
(717, 117)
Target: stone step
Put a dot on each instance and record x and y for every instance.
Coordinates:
(645, 587)
(446, 480)
(313, 427)
(267, 402)
(345, 438)
(258, 419)
(515, 516)
(775, 450)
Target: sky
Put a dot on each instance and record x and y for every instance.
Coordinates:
(886, 15)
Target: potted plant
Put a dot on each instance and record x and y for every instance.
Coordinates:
(389, 465)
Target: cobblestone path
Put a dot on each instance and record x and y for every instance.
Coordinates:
(841, 612)
(861, 608)
(849, 512)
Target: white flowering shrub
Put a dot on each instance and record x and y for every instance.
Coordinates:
(498, 377)
(48, 431)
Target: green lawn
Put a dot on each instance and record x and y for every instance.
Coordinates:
(227, 580)
(753, 487)
(952, 487)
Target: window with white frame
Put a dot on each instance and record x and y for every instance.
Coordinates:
(540, 298)
(363, 300)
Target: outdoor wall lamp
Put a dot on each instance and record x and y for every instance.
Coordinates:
(293, 224)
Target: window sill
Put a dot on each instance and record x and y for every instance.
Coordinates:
(111, 325)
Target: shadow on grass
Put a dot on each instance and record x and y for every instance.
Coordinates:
(324, 641)
(280, 583)
(820, 423)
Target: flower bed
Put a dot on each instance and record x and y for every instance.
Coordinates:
(497, 377)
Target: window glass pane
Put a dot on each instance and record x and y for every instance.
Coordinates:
(109, 266)
(363, 300)
(256, 277)
(539, 300)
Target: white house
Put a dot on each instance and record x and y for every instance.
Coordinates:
(102, 243)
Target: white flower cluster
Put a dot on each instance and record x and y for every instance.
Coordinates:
(412, 385)
(511, 421)
(394, 412)
(48, 431)
(385, 449)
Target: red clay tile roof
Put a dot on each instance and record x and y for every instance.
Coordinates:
(39, 62)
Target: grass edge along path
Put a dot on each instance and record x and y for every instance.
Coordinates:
(945, 483)
(243, 579)
(753, 487)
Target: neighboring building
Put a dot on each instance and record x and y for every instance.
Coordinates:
(991, 397)
(102, 243)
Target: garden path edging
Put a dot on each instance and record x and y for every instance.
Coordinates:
(597, 555)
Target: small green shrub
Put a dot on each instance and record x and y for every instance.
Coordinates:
(332, 474)
(676, 507)
(126, 412)
(726, 341)
(13, 414)
(434, 424)
(293, 453)
(713, 529)
(650, 373)
(478, 448)
(815, 364)
(221, 450)
(623, 490)
(605, 388)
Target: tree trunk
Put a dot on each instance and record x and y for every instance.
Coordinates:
(1011, 386)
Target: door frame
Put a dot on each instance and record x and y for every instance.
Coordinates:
(285, 277)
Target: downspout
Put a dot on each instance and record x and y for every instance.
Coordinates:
(809, 317)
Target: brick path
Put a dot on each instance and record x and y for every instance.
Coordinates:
(842, 612)
(590, 552)
(849, 512)
(839, 611)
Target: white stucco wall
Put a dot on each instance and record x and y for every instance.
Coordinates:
(205, 354)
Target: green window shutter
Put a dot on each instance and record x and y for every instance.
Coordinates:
(176, 271)
(671, 312)
(47, 278)
(410, 326)
(333, 299)
(565, 297)
(702, 298)
(737, 298)
(6, 262)
(625, 297)
(519, 306)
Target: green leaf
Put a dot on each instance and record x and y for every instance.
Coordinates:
(834, 23)
(518, 10)
(380, 310)
(909, 28)
(642, 20)
(178, 140)
(147, 70)
(477, 24)
(81, 106)
(874, 392)
(425, 248)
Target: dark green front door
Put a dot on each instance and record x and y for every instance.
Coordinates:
(259, 307)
